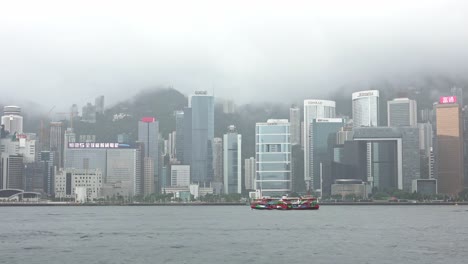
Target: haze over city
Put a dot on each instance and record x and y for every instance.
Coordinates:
(60, 52)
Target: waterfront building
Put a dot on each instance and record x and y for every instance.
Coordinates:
(148, 176)
(70, 182)
(123, 168)
(348, 187)
(273, 156)
(394, 155)
(449, 146)
(366, 108)
(232, 161)
(425, 186)
(402, 112)
(313, 109)
(11, 171)
(180, 175)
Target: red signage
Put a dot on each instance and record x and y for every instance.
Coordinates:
(148, 119)
(448, 100)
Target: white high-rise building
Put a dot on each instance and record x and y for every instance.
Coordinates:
(295, 121)
(12, 119)
(314, 109)
(366, 108)
(402, 112)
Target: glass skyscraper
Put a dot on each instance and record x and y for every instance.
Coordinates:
(148, 134)
(201, 163)
(232, 161)
(273, 157)
(313, 109)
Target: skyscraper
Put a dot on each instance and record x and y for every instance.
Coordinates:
(201, 166)
(295, 121)
(449, 146)
(218, 160)
(313, 109)
(12, 119)
(273, 156)
(179, 136)
(249, 166)
(232, 161)
(187, 138)
(366, 108)
(148, 134)
(323, 131)
(402, 112)
(57, 134)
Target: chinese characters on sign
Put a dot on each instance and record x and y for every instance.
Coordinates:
(93, 145)
(448, 100)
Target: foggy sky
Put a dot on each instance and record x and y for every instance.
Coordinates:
(60, 53)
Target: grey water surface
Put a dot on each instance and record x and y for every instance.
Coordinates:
(234, 234)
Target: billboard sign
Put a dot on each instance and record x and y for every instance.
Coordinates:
(93, 145)
(148, 119)
(448, 100)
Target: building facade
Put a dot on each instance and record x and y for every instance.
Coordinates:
(69, 181)
(449, 148)
(249, 174)
(402, 112)
(180, 175)
(148, 134)
(366, 108)
(313, 109)
(232, 161)
(295, 121)
(273, 156)
(12, 119)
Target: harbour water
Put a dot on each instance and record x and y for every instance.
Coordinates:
(234, 234)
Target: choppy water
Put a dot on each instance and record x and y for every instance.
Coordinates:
(234, 234)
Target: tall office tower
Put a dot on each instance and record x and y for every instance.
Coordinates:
(57, 136)
(273, 156)
(148, 176)
(187, 140)
(12, 119)
(46, 162)
(201, 166)
(179, 137)
(449, 146)
(366, 108)
(218, 160)
(313, 109)
(425, 148)
(11, 174)
(295, 121)
(99, 104)
(323, 132)
(148, 134)
(249, 172)
(232, 161)
(89, 113)
(402, 112)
